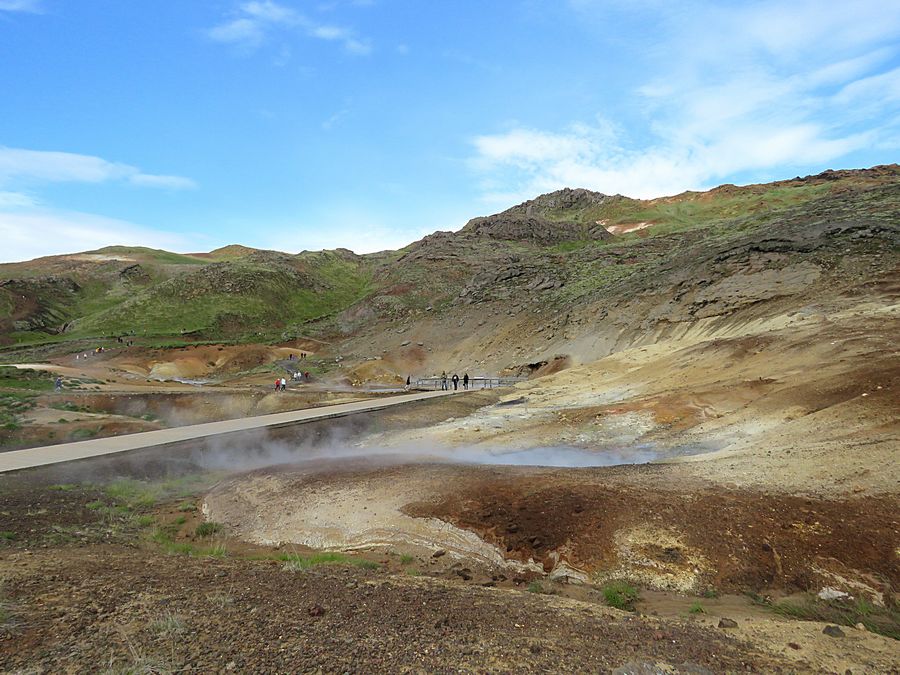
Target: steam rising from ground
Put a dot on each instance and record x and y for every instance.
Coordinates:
(253, 454)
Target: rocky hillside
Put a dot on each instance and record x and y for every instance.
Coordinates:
(572, 273)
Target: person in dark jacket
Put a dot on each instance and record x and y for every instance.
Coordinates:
(455, 379)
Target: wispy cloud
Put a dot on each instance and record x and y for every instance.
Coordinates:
(31, 6)
(39, 232)
(40, 166)
(252, 23)
(747, 89)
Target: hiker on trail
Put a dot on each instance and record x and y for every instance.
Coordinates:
(444, 380)
(277, 383)
(407, 381)
(58, 383)
(465, 380)
(455, 381)
(283, 384)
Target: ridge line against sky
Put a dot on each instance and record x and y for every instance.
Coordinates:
(367, 124)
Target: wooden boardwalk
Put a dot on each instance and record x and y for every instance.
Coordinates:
(28, 458)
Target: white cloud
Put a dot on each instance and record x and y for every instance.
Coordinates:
(254, 22)
(32, 6)
(747, 88)
(39, 232)
(42, 166)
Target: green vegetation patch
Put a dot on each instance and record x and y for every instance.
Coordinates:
(31, 380)
(208, 529)
(620, 595)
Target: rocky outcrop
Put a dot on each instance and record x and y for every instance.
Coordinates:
(531, 229)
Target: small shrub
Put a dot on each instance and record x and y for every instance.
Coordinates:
(535, 587)
(406, 559)
(696, 608)
(187, 507)
(208, 529)
(620, 595)
(7, 535)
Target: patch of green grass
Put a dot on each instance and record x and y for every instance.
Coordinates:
(882, 620)
(710, 593)
(165, 537)
(64, 487)
(31, 380)
(296, 563)
(217, 551)
(535, 587)
(145, 520)
(406, 559)
(620, 595)
(208, 529)
(187, 507)
(696, 608)
(13, 404)
(6, 535)
(133, 493)
(180, 520)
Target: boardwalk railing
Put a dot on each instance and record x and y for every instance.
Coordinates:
(474, 382)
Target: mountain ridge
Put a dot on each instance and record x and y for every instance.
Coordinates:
(561, 252)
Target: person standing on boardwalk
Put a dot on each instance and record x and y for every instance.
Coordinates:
(444, 381)
(465, 380)
(455, 381)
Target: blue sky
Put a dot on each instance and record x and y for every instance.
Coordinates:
(369, 123)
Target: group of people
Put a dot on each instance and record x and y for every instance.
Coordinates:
(445, 385)
(293, 357)
(281, 383)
